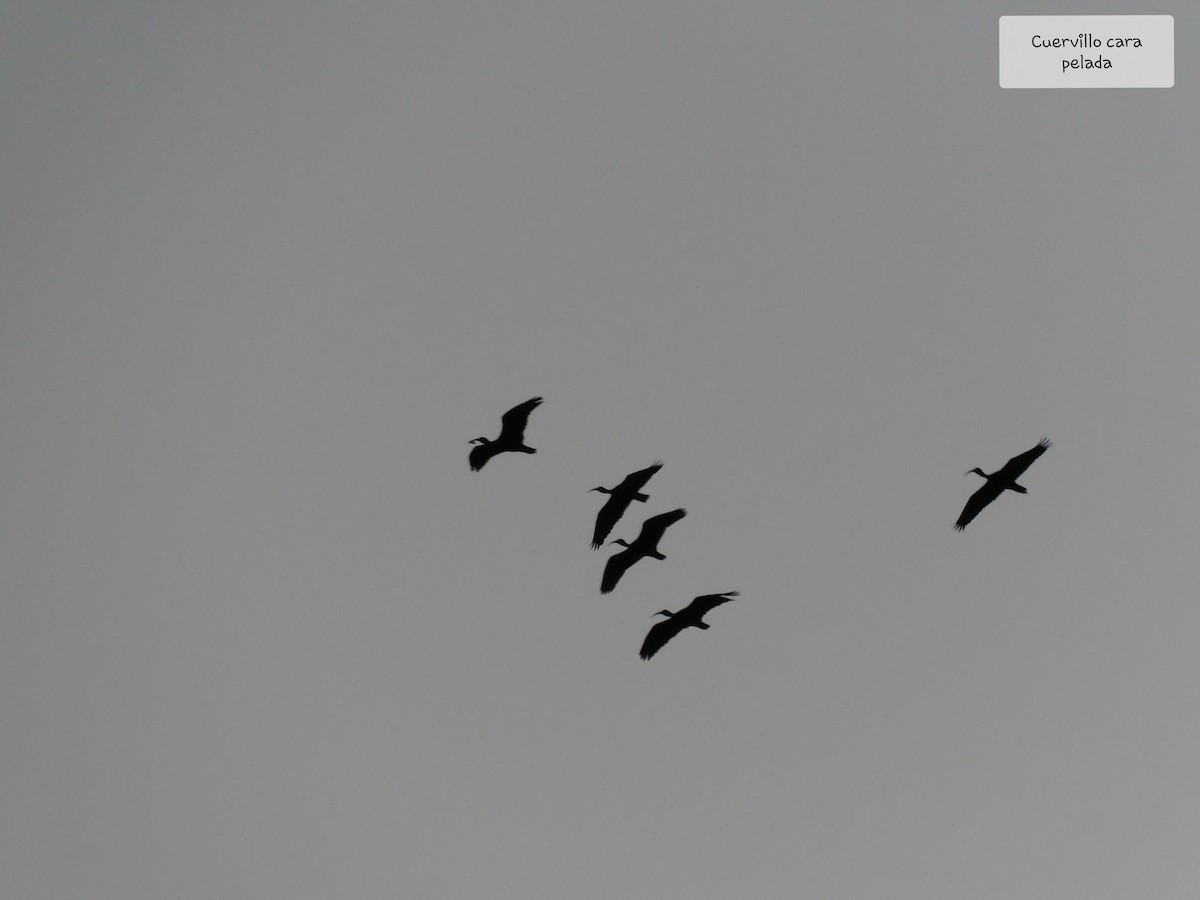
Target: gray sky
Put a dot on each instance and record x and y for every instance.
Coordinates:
(268, 268)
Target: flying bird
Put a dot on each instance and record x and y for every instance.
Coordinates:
(998, 482)
(619, 499)
(690, 616)
(645, 544)
(512, 435)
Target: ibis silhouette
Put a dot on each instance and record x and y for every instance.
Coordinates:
(619, 499)
(1005, 479)
(691, 616)
(645, 544)
(512, 435)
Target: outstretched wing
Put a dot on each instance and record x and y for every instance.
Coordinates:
(703, 604)
(514, 421)
(978, 501)
(659, 634)
(1018, 464)
(635, 481)
(653, 527)
(616, 566)
(609, 513)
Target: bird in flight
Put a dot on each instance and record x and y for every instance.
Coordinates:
(645, 544)
(618, 501)
(998, 482)
(691, 616)
(512, 435)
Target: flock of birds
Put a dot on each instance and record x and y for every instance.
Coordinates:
(512, 440)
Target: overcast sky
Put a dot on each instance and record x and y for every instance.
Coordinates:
(268, 267)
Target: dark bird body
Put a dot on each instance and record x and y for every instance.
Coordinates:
(690, 616)
(619, 499)
(646, 544)
(512, 435)
(998, 482)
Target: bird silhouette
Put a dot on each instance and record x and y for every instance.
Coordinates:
(645, 544)
(512, 435)
(691, 616)
(618, 501)
(998, 482)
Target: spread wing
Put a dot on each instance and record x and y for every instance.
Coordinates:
(701, 605)
(1018, 464)
(615, 568)
(635, 481)
(653, 527)
(514, 421)
(609, 513)
(659, 634)
(978, 501)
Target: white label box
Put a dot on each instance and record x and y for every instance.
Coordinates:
(1087, 51)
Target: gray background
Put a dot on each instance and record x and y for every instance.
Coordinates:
(268, 267)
